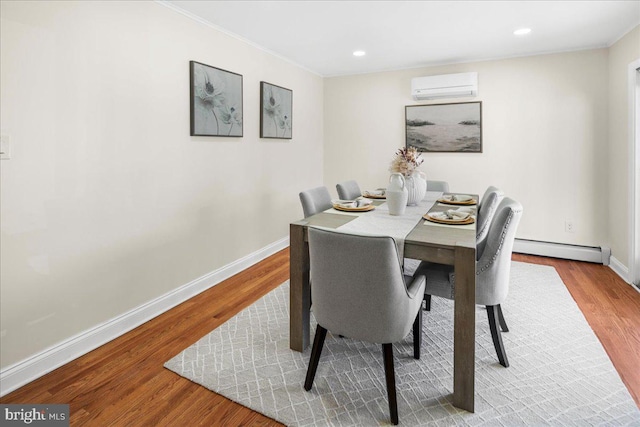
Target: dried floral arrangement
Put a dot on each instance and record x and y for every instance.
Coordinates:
(406, 161)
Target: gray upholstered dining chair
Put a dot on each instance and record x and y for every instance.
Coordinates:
(486, 210)
(315, 200)
(492, 272)
(438, 186)
(348, 190)
(359, 292)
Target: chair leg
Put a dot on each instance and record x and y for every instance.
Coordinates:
(503, 323)
(318, 342)
(427, 302)
(417, 335)
(492, 312)
(390, 375)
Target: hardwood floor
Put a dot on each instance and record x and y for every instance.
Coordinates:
(124, 383)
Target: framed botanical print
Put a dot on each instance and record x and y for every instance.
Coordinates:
(276, 109)
(216, 101)
(448, 128)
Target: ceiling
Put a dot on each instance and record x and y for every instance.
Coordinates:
(322, 35)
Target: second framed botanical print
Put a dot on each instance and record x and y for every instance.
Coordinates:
(448, 128)
(276, 108)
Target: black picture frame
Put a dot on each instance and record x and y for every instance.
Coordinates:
(444, 128)
(276, 111)
(215, 101)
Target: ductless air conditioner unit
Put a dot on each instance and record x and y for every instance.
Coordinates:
(445, 86)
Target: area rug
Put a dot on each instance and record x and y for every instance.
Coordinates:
(559, 373)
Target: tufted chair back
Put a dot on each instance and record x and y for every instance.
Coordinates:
(486, 210)
(494, 263)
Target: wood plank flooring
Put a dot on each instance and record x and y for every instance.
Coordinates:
(124, 383)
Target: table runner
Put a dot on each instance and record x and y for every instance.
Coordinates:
(379, 221)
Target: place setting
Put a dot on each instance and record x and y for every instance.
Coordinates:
(460, 216)
(378, 193)
(357, 205)
(458, 199)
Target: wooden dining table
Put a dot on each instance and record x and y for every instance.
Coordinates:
(451, 245)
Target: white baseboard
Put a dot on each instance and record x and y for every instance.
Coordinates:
(600, 255)
(620, 269)
(623, 271)
(27, 370)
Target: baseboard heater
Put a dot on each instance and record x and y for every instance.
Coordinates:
(600, 255)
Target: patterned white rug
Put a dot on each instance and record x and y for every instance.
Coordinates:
(559, 373)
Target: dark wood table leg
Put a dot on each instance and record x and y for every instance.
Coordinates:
(464, 336)
(300, 295)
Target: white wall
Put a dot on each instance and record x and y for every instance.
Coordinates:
(621, 54)
(108, 202)
(545, 121)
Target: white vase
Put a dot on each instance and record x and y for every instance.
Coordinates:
(416, 187)
(396, 194)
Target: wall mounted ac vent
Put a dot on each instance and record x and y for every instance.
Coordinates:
(445, 86)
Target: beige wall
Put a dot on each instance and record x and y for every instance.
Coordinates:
(545, 124)
(621, 54)
(108, 202)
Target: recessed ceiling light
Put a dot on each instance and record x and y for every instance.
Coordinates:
(359, 53)
(522, 31)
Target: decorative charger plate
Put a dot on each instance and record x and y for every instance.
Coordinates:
(468, 220)
(373, 196)
(366, 208)
(447, 200)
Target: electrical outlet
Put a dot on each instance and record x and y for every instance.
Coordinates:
(569, 226)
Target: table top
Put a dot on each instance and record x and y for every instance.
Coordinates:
(426, 241)
(447, 236)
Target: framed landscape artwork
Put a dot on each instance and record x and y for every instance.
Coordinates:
(445, 128)
(216, 101)
(276, 108)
